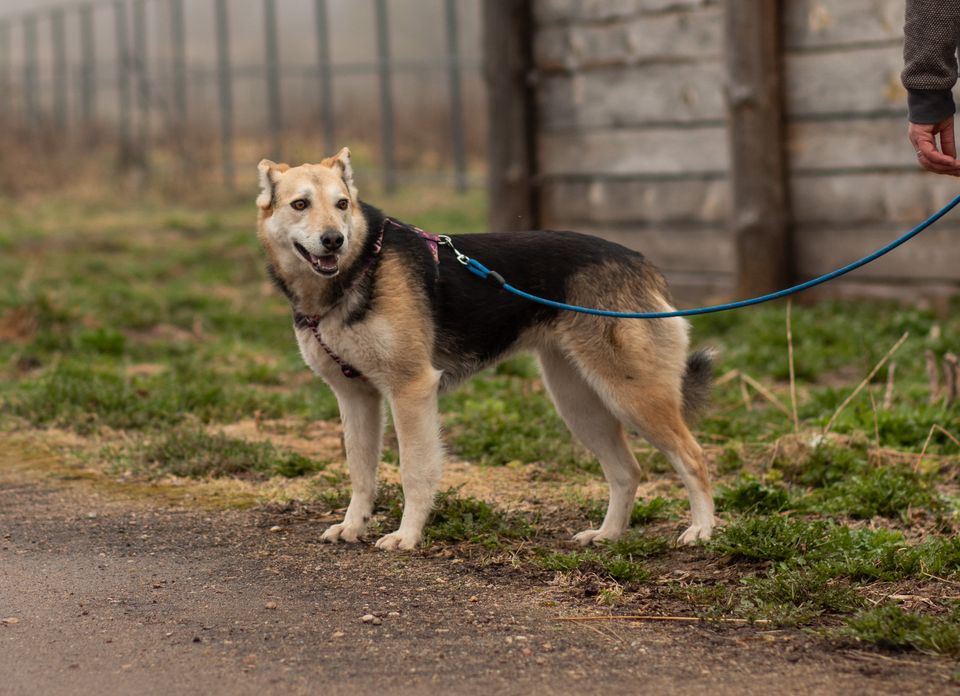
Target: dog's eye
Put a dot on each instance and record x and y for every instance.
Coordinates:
(343, 204)
(300, 204)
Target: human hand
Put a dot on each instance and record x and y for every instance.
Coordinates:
(923, 136)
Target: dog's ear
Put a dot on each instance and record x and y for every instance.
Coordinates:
(341, 161)
(268, 174)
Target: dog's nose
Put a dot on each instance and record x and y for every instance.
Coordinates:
(331, 240)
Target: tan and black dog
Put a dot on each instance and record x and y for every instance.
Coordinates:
(381, 313)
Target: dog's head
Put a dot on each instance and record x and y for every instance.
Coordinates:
(310, 216)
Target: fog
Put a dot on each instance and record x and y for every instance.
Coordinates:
(417, 28)
(417, 34)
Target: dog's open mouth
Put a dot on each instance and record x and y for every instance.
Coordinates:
(327, 265)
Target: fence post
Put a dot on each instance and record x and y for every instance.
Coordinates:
(386, 96)
(274, 92)
(5, 64)
(88, 85)
(759, 217)
(178, 50)
(123, 83)
(507, 34)
(139, 60)
(326, 77)
(57, 36)
(225, 89)
(456, 95)
(31, 110)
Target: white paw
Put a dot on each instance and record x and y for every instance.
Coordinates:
(398, 540)
(694, 534)
(594, 536)
(343, 532)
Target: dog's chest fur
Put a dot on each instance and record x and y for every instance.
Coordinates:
(364, 345)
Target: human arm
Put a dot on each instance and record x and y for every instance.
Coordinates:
(931, 33)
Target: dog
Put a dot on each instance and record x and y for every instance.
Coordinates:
(382, 312)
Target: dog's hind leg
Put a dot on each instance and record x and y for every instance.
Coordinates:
(666, 430)
(361, 410)
(599, 430)
(638, 370)
(655, 410)
(414, 407)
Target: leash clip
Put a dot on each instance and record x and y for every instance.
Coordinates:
(446, 241)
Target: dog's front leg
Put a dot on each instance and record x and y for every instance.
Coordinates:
(362, 414)
(415, 418)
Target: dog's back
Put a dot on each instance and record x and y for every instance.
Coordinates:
(478, 323)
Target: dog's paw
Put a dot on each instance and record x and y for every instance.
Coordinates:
(694, 534)
(398, 541)
(594, 536)
(343, 532)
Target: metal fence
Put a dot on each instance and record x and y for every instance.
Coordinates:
(124, 72)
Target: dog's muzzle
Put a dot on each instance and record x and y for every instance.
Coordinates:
(327, 265)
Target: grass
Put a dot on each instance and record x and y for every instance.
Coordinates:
(502, 419)
(86, 396)
(198, 454)
(621, 561)
(457, 519)
(818, 566)
(833, 481)
(891, 627)
(144, 329)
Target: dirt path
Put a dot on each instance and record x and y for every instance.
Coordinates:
(116, 596)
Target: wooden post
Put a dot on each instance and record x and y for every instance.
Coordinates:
(386, 97)
(225, 92)
(178, 52)
(5, 64)
(507, 45)
(456, 95)
(325, 71)
(274, 93)
(759, 215)
(138, 59)
(123, 81)
(60, 69)
(88, 67)
(31, 105)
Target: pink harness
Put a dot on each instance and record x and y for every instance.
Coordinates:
(313, 323)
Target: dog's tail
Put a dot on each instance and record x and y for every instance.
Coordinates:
(696, 384)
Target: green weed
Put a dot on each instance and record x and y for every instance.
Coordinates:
(647, 511)
(846, 483)
(498, 419)
(752, 496)
(887, 491)
(85, 396)
(890, 627)
(796, 596)
(198, 454)
(457, 519)
(644, 511)
(771, 538)
(621, 561)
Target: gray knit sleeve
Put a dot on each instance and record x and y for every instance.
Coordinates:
(931, 34)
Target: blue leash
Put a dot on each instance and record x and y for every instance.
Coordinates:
(485, 273)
